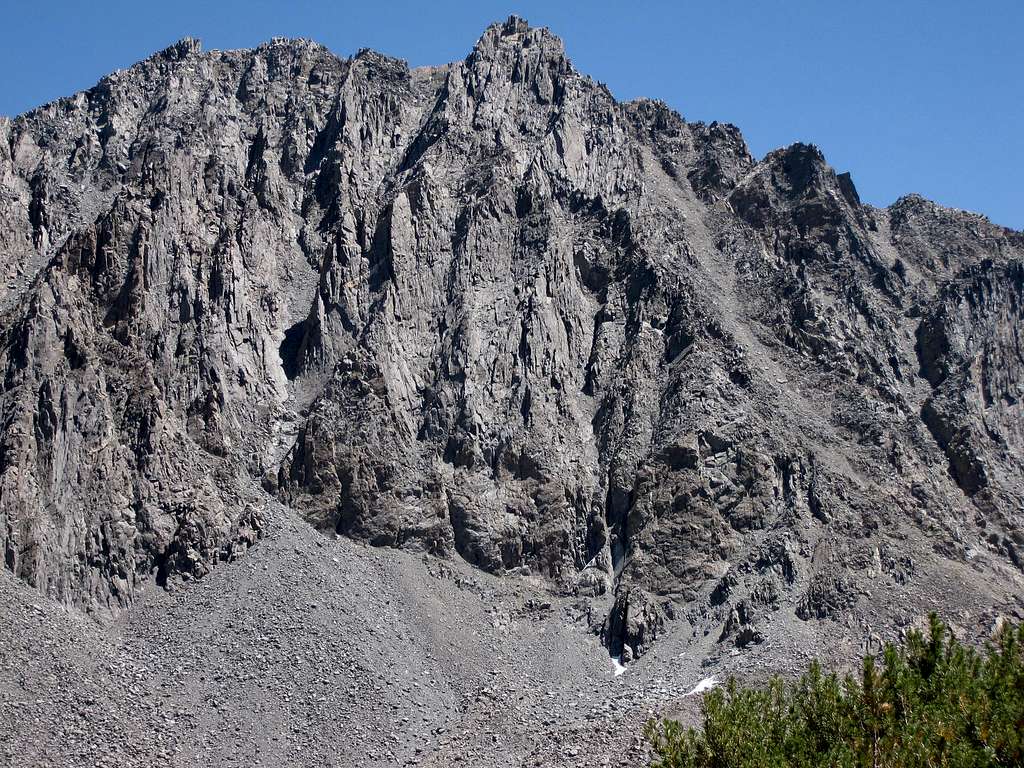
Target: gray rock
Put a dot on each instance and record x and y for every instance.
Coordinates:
(484, 311)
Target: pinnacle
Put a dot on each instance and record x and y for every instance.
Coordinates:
(183, 48)
(516, 31)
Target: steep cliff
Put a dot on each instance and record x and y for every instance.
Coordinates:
(487, 312)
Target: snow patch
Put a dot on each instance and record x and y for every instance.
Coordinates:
(618, 666)
(704, 685)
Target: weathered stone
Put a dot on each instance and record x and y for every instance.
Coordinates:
(485, 311)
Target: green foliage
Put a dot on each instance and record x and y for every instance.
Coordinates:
(932, 702)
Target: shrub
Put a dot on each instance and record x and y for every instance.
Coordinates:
(931, 702)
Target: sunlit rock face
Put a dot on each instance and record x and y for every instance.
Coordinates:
(488, 312)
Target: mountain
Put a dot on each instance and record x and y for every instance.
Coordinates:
(559, 350)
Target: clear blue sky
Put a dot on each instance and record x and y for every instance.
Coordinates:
(909, 95)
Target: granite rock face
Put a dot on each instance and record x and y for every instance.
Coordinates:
(486, 311)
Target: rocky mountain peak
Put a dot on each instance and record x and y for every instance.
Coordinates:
(517, 52)
(516, 32)
(485, 312)
(182, 49)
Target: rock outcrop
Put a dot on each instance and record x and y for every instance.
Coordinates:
(486, 311)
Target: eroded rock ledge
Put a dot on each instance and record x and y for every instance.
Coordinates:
(486, 311)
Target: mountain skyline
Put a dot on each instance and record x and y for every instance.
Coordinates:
(358, 414)
(911, 99)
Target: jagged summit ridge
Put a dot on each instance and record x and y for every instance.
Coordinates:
(487, 312)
